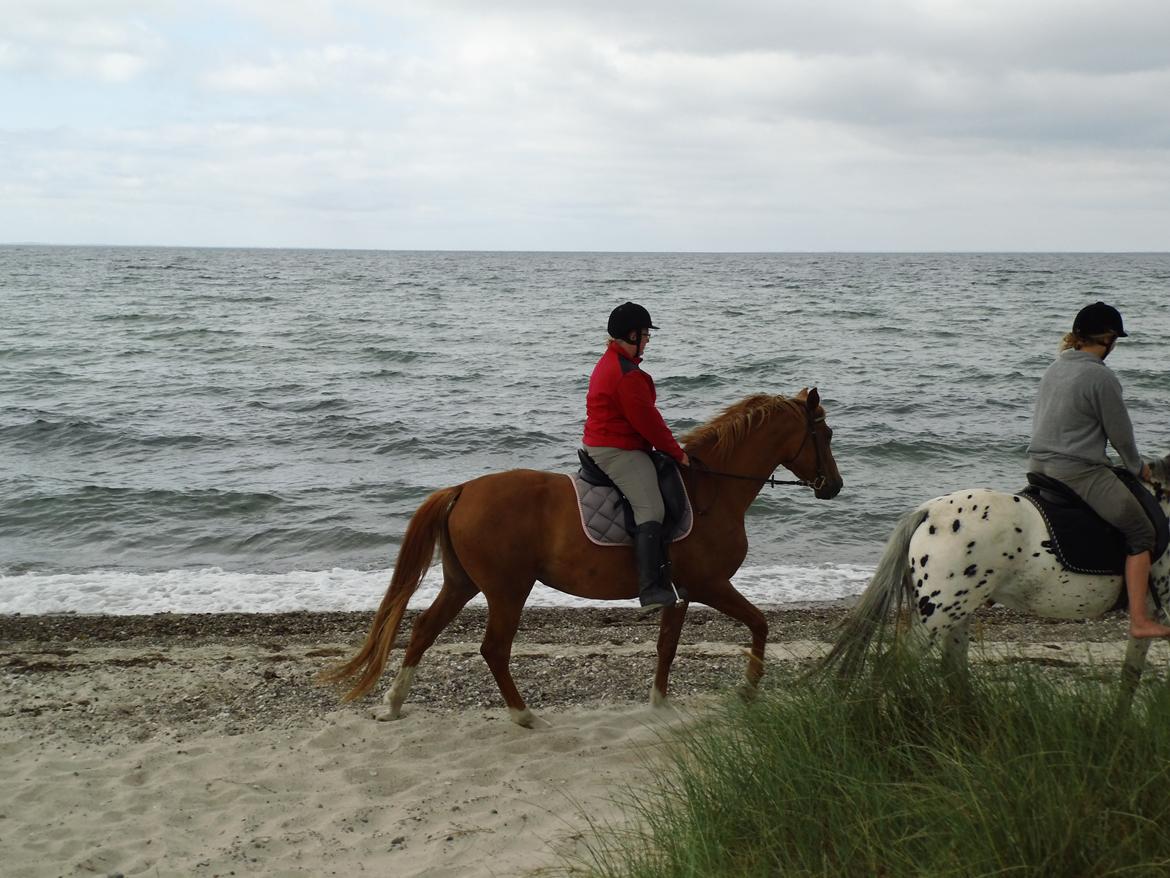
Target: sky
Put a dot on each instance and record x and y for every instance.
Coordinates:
(646, 125)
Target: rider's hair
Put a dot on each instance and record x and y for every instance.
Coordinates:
(1077, 341)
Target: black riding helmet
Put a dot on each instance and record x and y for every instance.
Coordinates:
(1097, 319)
(627, 318)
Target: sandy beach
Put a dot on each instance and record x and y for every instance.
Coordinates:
(201, 744)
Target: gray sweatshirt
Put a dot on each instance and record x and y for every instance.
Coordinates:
(1078, 407)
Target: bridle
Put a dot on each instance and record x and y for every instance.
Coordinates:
(770, 480)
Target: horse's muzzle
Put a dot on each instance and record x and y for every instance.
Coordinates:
(827, 490)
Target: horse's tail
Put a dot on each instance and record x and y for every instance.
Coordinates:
(889, 587)
(427, 525)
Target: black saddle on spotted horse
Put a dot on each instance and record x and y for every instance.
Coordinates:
(1081, 540)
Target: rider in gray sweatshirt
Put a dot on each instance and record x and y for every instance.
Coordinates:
(1079, 408)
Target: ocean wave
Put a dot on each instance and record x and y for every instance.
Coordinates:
(301, 405)
(304, 541)
(134, 317)
(393, 355)
(97, 506)
(43, 434)
(185, 333)
(688, 382)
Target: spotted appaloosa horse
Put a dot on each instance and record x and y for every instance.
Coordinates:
(500, 533)
(955, 553)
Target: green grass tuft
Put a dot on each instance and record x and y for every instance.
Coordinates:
(1025, 773)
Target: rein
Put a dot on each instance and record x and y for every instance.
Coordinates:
(770, 480)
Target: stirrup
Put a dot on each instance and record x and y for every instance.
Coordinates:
(660, 598)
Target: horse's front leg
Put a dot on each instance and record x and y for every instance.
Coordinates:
(955, 644)
(1131, 671)
(669, 629)
(724, 598)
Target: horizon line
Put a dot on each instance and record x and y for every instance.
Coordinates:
(826, 252)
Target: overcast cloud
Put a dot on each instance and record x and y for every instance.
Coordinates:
(605, 125)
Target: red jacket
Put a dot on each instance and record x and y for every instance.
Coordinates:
(620, 409)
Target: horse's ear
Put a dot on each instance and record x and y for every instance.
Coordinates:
(814, 400)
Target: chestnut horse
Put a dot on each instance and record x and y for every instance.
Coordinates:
(500, 533)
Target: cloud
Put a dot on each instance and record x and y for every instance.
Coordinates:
(330, 68)
(611, 125)
(76, 40)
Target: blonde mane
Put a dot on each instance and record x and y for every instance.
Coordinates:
(735, 421)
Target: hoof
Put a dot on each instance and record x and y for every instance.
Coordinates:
(748, 692)
(658, 699)
(525, 718)
(385, 716)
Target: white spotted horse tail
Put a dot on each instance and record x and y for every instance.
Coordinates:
(890, 586)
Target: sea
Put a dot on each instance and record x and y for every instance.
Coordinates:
(233, 430)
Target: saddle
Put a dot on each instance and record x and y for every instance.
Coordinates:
(606, 515)
(1081, 540)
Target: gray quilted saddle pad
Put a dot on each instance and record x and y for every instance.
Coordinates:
(604, 517)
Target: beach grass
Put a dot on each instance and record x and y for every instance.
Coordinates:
(1023, 773)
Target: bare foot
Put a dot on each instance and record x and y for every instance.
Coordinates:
(1146, 628)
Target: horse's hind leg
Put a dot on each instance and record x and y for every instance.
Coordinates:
(457, 590)
(669, 629)
(955, 646)
(504, 611)
(724, 598)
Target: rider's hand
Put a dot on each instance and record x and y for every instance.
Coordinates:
(686, 461)
(1146, 475)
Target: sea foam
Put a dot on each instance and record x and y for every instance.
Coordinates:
(214, 590)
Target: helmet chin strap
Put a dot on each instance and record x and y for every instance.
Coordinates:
(639, 342)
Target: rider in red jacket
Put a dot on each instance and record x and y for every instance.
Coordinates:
(622, 424)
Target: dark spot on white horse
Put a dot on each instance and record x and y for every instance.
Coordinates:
(960, 509)
(961, 592)
(972, 570)
(925, 558)
(925, 576)
(985, 511)
(988, 572)
(919, 584)
(932, 528)
(955, 526)
(969, 496)
(925, 607)
(981, 583)
(1014, 497)
(935, 593)
(1035, 554)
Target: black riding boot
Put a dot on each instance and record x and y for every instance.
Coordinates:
(653, 593)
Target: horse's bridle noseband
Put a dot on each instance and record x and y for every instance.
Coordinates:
(771, 480)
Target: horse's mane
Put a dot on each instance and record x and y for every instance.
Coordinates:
(734, 422)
